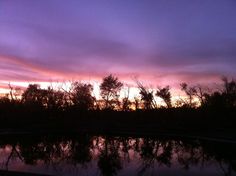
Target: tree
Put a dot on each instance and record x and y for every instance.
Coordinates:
(225, 98)
(34, 96)
(110, 88)
(201, 93)
(82, 96)
(215, 100)
(55, 99)
(190, 92)
(5, 103)
(229, 92)
(14, 93)
(126, 103)
(165, 94)
(136, 103)
(146, 96)
(10, 101)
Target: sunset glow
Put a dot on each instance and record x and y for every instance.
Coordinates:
(117, 87)
(142, 40)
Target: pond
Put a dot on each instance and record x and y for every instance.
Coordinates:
(84, 154)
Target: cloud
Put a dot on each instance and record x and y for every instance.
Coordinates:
(202, 54)
(63, 49)
(19, 69)
(157, 40)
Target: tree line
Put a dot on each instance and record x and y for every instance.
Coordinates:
(80, 96)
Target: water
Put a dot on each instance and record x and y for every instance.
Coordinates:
(112, 155)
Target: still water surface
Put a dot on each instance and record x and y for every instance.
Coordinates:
(112, 155)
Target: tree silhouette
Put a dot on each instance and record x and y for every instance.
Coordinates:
(201, 93)
(82, 96)
(14, 93)
(109, 161)
(190, 92)
(223, 99)
(5, 103)
(146, 96)
(79, 97)
(110, 88)
(34, 96)
(165, 94)
(126, 103)
(136, 103)
(56, 99)
(229, 92)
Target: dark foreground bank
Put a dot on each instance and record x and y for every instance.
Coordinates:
(177, 122)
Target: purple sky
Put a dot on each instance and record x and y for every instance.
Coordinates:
(164, 41)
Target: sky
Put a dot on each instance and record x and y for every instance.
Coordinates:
(159, 42)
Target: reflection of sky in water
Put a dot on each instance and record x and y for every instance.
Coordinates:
(135, 156)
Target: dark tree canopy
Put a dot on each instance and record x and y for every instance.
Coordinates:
(229, 92)
(225, 98)
(34, 96)
(56, 99)
(82, 96)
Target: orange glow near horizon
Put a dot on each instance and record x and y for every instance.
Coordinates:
(133, 91)
(56, 78)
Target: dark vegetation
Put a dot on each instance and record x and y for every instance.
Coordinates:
(76, 108)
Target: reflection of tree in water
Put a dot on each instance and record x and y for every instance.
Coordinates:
(56, 151)
(224, 155)
(189, 154)
(80, 150)
(51, 151)
(155, 151)
(148, 154)
(47, 151)
(109, 161)
(113, 151)
(194, 153)
(14, 154)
